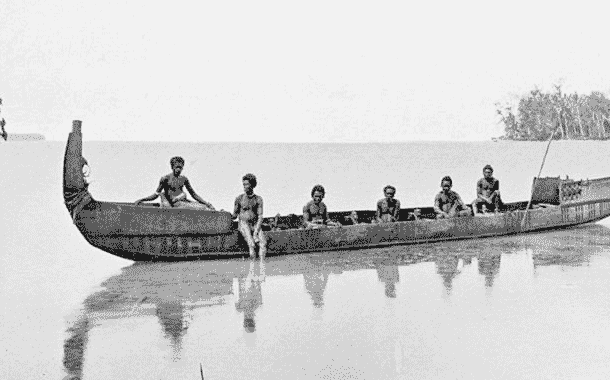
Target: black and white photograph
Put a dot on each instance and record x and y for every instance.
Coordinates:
(318, 190)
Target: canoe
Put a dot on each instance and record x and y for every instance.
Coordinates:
(151, 233)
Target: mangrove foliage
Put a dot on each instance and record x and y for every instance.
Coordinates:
(539, 115)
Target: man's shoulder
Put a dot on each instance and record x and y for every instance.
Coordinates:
(308, 204)
(381, 202)
(491, 180)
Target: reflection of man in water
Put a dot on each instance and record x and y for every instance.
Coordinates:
(489, 266)
(250, 296)
(316, 279)
(447, 268)
(388, 274)
(171, 317)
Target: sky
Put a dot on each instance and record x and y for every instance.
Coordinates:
(264, 71)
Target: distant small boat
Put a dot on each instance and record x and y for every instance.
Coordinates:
(3, 134)
(151, 233)
(494, 139)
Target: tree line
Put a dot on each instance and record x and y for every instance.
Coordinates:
(565, 116)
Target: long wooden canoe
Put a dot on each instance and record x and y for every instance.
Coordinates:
(152, 233)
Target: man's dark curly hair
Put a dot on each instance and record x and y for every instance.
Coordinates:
(250, 178)
(319, 188)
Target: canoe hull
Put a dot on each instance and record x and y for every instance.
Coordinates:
(200, 247)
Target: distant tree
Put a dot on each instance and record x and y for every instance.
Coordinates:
(573, 116)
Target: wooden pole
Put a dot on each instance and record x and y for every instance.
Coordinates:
(536, 179)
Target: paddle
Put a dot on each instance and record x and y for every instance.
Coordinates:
(539, 172)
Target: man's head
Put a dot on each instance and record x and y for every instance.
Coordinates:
(488, 171)
(446, 183)
(177, 164)
(317, 193)
(389, 191)
(249, 182)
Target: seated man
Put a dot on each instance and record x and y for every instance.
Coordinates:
(488, 193)
(315, 213)
(388, 208)
(171, 193)
(448, 203)
(249, 212)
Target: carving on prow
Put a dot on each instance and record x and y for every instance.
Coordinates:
(76, 195)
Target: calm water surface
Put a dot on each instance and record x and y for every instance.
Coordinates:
(532, 306)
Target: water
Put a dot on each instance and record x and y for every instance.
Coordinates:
(532, 306)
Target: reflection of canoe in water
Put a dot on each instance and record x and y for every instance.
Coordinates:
(173, 292)
(150, 233)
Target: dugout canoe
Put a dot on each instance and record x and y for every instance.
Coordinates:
(151, 233)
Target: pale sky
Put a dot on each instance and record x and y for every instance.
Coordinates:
(289, 72)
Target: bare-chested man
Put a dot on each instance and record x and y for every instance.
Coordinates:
(388, 208)
(171, 193)
(315, 213)
(488, 193)
(249, 213)
(448, 203)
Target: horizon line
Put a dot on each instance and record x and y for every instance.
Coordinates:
(280, 142)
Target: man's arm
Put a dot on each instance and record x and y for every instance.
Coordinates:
(196, 197)
(306, 216)
(236, 208)
(459, 201)
(327, 221)
(437, 205)
(397, 211)
(457, 204)
(480, 195)
(378, 214)
(151, 197)
(154, 196)
(259, 212)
